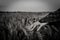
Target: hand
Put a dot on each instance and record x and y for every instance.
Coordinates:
(34, 25)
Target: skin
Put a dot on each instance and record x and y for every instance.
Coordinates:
(31, 6)
(14, 5)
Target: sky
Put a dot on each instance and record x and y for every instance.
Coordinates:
(29, 5)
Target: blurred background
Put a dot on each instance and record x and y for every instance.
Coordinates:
(29, 5)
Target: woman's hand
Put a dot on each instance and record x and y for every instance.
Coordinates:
(37, 25)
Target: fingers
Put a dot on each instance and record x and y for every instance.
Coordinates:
(35, 25)
(32, 26)
(41, 25)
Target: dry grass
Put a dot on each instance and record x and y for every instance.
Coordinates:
(16, 22)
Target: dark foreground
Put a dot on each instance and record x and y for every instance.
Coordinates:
(10, 23)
